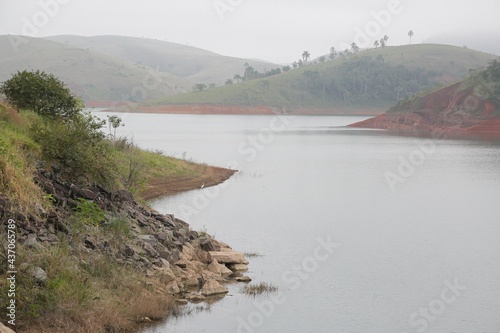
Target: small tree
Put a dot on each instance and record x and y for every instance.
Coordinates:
(199, 87)
(42, 93)
(410, 34)
(113, 123)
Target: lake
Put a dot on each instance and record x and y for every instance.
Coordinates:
(361, 231)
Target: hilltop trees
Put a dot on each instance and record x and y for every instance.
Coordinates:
(305, 56)
(42, 93)
(410, 34)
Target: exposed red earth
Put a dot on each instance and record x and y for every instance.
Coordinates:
(452, 112)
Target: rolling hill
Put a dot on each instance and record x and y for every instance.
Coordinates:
(113, 70)
(193, 64)
(366, 82)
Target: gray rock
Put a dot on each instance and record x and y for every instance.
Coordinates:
(148, 239)
(38, 274)
(128, 251)
(32, 243)
(150, 250)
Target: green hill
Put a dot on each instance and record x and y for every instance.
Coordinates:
(191, 63)
(109, 70)
(370, 79)
(90, 75)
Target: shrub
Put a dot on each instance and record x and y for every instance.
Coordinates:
(42, 93)
(77, 146)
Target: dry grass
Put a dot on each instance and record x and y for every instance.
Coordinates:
(259, 289)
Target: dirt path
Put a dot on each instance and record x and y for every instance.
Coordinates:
(207, 176)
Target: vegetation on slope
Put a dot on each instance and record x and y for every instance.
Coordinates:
(86, 291)
(373, 78)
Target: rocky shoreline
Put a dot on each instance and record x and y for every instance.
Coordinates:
(175, 260)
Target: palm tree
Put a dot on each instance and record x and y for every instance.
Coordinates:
(386, 38)
(305, 56)
(354, 47)
(332, 53)
(410, 34)
(376, 44)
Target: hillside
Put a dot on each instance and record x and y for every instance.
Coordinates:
(113, 70)
(92, 76)
(84, 252)
(470, 108)
(191, 63)
(368, 81)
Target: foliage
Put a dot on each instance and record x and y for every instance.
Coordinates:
(88, 213)
(366, 80)
(113, 123)
(77, 146)
(42, 93)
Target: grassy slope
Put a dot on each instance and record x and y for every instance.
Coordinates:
(284, 91)
(90, 75)
(193, 64)
(94, 292)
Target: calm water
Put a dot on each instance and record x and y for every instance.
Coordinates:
(420, 256)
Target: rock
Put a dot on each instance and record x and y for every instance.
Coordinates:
(122, 196)
(167, 275)
(129, 251)
(172, 288)
(209, 244)
(165, 236)
(150, 239)
(150, 250)
(5, 329)
(89, 242)
(87, 194)
(170, 256)
(243, 279)
(38, 274)
(195, 297)
(238, 267)
(182, 301)
(181, 264)
(145, 320)
(229, 257)
(203, 256)
(212, 287)
(32, 243)
(217, 268)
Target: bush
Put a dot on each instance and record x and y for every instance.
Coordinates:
(77, 146)
(42, 93)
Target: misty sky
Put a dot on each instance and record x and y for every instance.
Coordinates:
(273, 30)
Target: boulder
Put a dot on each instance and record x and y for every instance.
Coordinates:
(228, 257)
(150, 250)
(38, 274)
(243, 279)
(238, 267)
(220, 269)
(195, 297)
(212, 287)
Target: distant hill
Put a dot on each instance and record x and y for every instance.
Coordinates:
(467, 108)
(363, 82)
(113, 70)
(191, 63)
(95, 77)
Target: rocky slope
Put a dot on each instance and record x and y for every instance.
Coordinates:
(185, 264)
(468, 109)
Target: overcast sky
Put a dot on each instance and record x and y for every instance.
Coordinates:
(273, 30)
